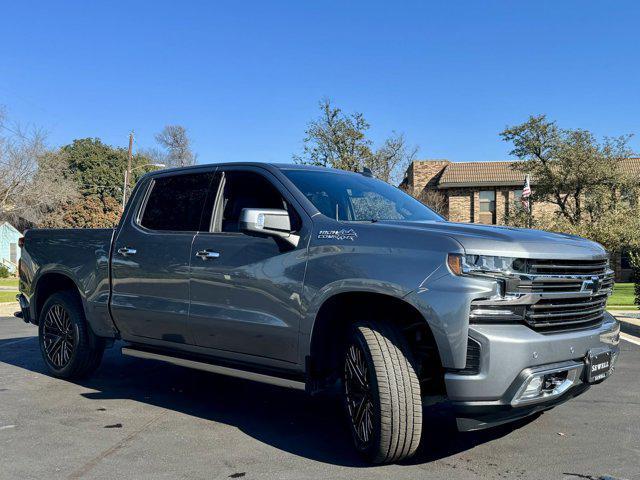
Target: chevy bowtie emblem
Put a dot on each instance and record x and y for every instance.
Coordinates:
(592, 284)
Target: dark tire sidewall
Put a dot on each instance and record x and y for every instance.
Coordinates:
(370, 450)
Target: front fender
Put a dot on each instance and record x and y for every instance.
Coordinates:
(445, 301)
(345, 285)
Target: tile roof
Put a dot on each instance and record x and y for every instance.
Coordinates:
(467, 174)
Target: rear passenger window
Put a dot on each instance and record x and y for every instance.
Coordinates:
(176, 203)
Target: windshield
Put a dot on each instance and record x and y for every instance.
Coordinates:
(356, 198)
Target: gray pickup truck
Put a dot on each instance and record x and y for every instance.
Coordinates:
(320, 279)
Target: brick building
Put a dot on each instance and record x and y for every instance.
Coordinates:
(481, 192)
(475, 192)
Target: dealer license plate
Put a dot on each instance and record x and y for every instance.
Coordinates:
(598, 366)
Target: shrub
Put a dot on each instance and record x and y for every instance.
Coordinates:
(634, 258)
(4, 272)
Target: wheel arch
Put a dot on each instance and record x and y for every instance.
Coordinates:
(47, 284)
(338, 311)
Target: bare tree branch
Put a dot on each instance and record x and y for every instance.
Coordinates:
(32, 178)
(339, 140)
(175, 140)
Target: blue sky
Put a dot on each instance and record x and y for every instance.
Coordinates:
(246, 77)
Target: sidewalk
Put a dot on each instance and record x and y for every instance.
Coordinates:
(625, 315)
(8, 309)
(629, 324)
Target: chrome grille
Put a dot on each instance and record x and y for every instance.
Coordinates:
(549, 284)
(572, 293)
(567, 267)
(550, 296)
(562, 313)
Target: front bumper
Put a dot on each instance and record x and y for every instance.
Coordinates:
(509, 354)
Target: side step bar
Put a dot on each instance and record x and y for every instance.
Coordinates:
(210, 367)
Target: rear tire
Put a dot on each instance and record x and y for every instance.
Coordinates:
(68, 346)
(381, 392)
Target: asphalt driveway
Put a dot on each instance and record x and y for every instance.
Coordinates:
(143, 419)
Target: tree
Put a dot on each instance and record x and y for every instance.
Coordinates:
(91, 211)
(435, 200)
(571, 168)
(98, 168)
(583, 177)
(391, 160)
(32, 179)
(97, 171)
(339, 140)
(175, 140)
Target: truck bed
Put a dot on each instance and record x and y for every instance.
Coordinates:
(81, 255)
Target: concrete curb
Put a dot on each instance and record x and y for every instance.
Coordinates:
(625, 313)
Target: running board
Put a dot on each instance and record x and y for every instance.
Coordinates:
(210, 367)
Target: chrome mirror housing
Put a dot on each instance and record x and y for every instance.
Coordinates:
(268, 221)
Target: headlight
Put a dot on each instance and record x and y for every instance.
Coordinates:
(484, 265)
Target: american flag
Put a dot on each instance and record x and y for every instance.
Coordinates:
(526, 193)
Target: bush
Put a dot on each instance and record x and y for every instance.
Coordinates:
(4, 272)
(634, 258)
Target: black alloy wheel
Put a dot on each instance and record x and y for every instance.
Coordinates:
(359, 402)
(59, 338)
(68, 345)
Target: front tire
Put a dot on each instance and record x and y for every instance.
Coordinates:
(381, 392)
(68, 346)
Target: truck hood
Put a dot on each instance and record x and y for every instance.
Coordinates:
(510, 241)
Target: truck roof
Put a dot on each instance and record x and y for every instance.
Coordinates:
(269, 165)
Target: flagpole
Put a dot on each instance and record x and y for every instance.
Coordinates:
(530, 203)
(525, 198)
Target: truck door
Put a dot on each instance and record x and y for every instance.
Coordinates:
(150, 265)
(245, 290)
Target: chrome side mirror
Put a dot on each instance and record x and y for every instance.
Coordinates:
(268, 221)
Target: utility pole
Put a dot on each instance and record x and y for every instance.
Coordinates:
(127, 172)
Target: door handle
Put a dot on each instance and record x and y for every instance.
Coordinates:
(125, 251)
(207, 254)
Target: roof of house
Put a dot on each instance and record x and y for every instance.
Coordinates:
(458, 174)
(9, 226)
(476, 174)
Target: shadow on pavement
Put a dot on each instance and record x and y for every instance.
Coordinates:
(286, 419)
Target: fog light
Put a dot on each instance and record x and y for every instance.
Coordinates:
(533, 389)
(553, 380)
(546, 383)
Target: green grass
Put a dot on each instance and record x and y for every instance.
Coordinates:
(8, 296)
(9, 282)
(622, 298)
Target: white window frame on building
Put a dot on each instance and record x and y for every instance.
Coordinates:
(517, 199)
(13, 253)
(487, 206)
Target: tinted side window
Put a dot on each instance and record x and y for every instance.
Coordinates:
(249, 190)
(176, 203)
